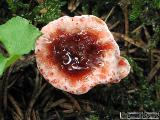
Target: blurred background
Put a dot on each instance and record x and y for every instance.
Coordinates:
(135, 24)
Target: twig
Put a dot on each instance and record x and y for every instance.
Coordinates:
(73, 4)
(138, 43)
(124, 6)
(150, 58)
(146, 33)
(156, 51)
(54, 104)
(29, 5)
(86, 105)
(24, 62)
(140, 59)
(156, 57)
(16, 107)
(1, 98)
(14, 80)
(158, 89)
(46, 97)
(15, 115)
(126, 25)
(57, 114)
(68, 111)
(78, 13)
(144, 59)
(41, 1)
(5, 92)
(132, 91)
(66, 106)
(123, 52)
(109, 14)
(153, 71)
(73, 100)
(35, 115)
(137, 29)
(114, 25)
(33, 100)
(125, 12)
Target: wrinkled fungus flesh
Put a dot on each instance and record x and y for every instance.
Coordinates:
(76, 53)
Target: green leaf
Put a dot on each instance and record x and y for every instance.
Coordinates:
(3, 61)
(18, 36)
(6, 62)
(136, 9)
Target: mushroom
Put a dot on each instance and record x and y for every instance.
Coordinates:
(77, 53)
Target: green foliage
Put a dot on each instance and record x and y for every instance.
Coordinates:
(136, 10)
(18, 5)
(144, 97)
(133, 93)
(98, 8)
(6, 62)
(41, 13)
(18, 36)
(156, 4)
(155, 38)
(47, 11)
(3, 62)
(85, 7)
(138, 71)
(93, 117)
(139, 7)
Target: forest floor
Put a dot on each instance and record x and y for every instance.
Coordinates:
(135, 24)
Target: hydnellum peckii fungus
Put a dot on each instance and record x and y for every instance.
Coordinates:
(75, 54)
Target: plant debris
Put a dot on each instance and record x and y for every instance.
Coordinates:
(24, 94)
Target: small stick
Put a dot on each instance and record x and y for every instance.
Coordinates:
(157, 57)
(16, 107)
(137, 29)
(138, 43)
(109, 14)
(73, 100)
(114, 25)
(68, 111)
(126, 25)
(132, 91)
(158, 90)
(146, 33)
(5, 92)
(125, 12)
(66, 106)
(153, 71)
(33, 115)
(57, 114)
(54, 104)
(33, 100)
(15, 115)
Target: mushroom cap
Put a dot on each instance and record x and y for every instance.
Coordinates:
(112, 67)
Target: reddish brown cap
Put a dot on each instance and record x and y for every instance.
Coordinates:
(75, 54)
